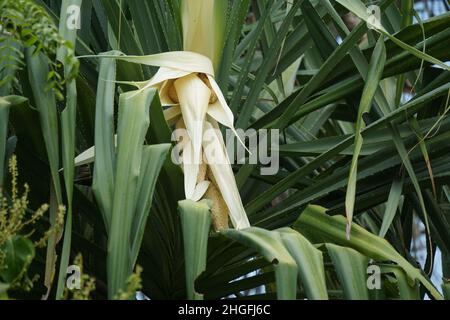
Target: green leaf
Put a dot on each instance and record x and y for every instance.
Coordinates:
(68, 122)
(18, 254)
(196, 223)
(5, 104)
(132, 128)
(309, 263)
(105, 149)
(270, 245)
(351, 269)
(153, 158)
(446, 289)
(405, 289)
(392, 204)
(374, 75)
(38, 68)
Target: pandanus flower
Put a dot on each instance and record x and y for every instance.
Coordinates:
(193, 100)
(186, 85)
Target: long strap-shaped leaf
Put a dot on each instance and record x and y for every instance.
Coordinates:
(4, 115)
(38, 69)
(105, 146)
(68, 121)
(5, 105)
(196, 222)
(395, 194)
(153, 158)
(132, 128)
(375, 71)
